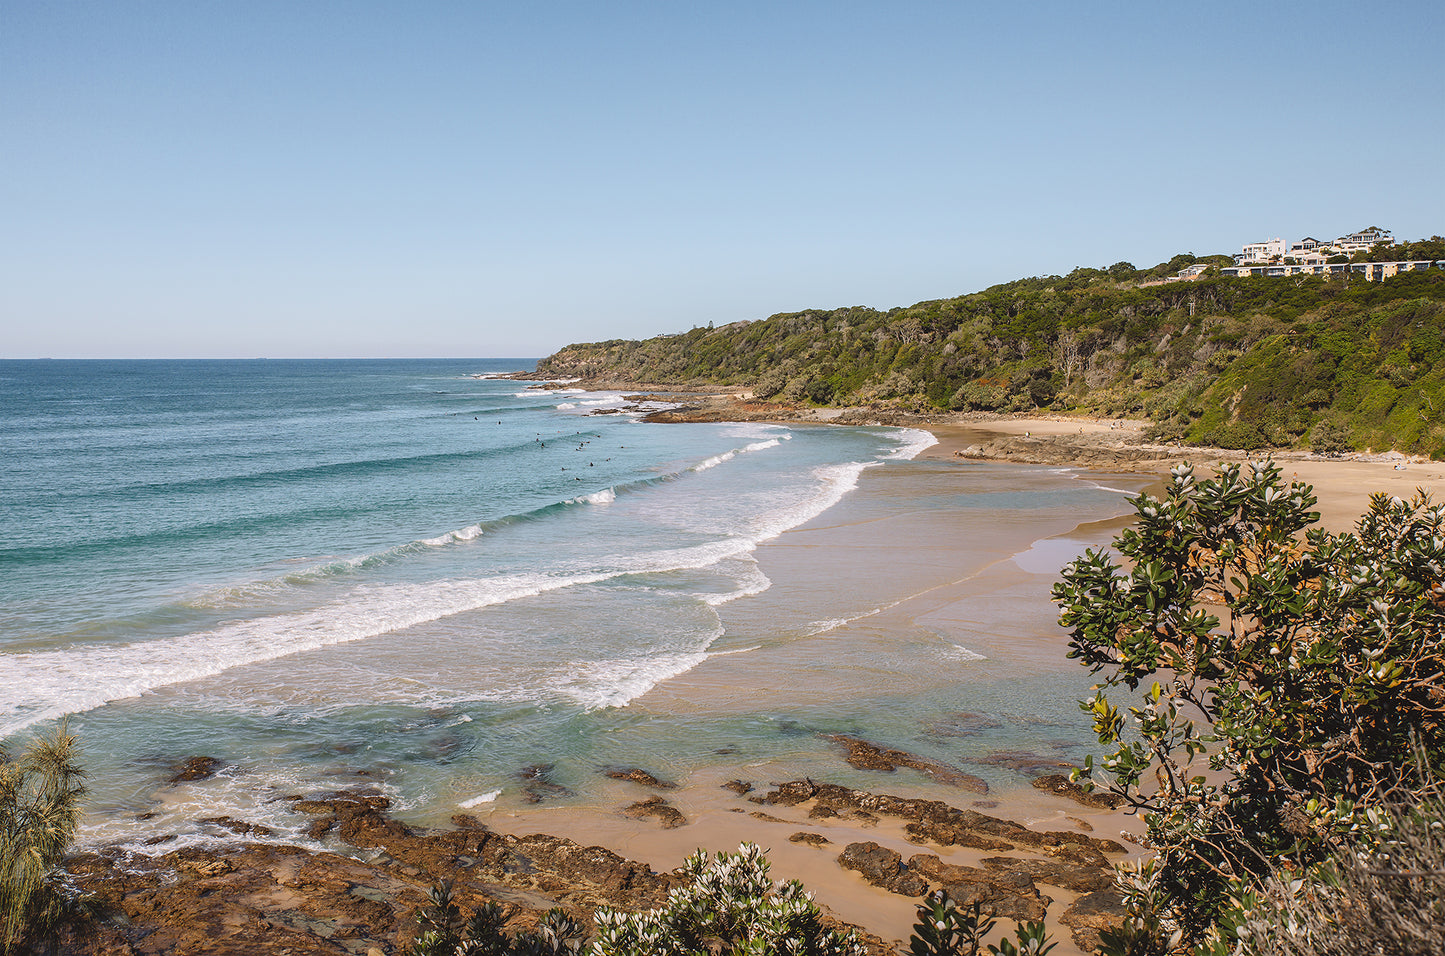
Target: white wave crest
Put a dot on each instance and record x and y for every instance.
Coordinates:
(452, 537)
(750, 581)
(489, 797)
(727, 456)
(961, 653)
(912, 441)
(604, 497)
(618, 683)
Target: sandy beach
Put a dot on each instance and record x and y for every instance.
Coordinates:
(1343, 485)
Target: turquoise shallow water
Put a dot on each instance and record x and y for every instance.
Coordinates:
(410, 573)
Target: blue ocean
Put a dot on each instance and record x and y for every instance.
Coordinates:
(420, 575)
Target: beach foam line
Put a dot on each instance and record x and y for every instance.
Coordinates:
(489, 797)
(601, 684)
(1095, 484)
(727, 456)
(752, 581)
(912, 442)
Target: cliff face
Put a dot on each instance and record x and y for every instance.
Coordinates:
(1238, 363)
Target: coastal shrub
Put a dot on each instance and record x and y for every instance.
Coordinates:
(729, 905)
(445, 932)
(945, 930)
(1302, 668)
(39, 810)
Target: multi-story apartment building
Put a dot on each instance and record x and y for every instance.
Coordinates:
(1261, 251)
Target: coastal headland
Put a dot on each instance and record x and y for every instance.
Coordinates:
(1031, 846)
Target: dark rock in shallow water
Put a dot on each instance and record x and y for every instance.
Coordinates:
(812, 839)
(536, 787)
(1025, 761)
(961, 724)
(869, 756)
(637, 775)
(740, 787)
(197, 768)
(238, 827)
(882, 867)
(1097, 799)
(665, 813)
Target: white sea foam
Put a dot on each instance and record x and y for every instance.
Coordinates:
(617, 683)
(452, 537)
(823, 627)
(489, 797)
(750, 581)
(912, 441)
(49, 684)
(961, 653)
(1095, 484)
(566, 405)
(835, 481)
(604, 497)
(251, 794)
(726, 456)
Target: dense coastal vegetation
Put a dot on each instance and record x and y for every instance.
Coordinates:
(1325, 362)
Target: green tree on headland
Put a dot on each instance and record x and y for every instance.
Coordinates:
(1290, 680)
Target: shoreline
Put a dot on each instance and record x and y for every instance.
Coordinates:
(719, 818)
(1342, 483)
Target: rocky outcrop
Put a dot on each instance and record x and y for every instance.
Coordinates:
(197, 768)
(937, 822)
(998, 892)
(882, 867)
(1061, 451)
(1005, 893)
(1095, 799)
(658, 809)
(870, 756)
(537, 785)
(638, 775)
(1066, 876)
(248, 898)
(1092, 913)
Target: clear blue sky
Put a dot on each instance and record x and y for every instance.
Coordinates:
(208, 178)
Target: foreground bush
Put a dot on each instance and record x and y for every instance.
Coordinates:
(1384, 892)
(1302, 667)
(39, 811)
(729, 905)
(945, 930)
